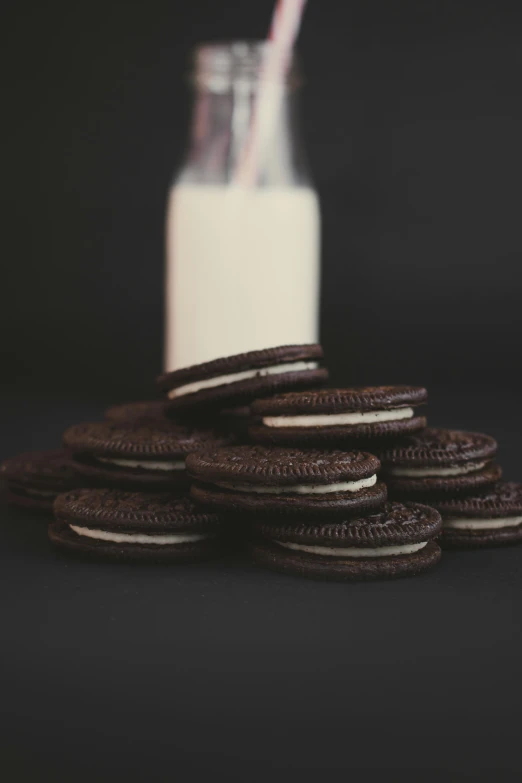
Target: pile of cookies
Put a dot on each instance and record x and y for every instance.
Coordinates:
(328, 483)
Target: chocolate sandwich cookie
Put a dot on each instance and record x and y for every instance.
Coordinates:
(237, 380)
(439, 461)
(396, 541)
(144, 455)
(35, 478)
(492, 517)
(337, 416)
(116, 525)
(262, 480)
(143, 410)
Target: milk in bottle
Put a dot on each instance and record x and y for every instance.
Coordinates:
(242, 262)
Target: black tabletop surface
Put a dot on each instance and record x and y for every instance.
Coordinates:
(158, 673)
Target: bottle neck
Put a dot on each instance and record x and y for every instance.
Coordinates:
(221, 127)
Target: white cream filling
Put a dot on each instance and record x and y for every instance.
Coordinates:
(458, 470)
(137, 538)
(146, 464)
(352, 551)
(305, 489)
(334, 419)
(224, 380)
(461, 523)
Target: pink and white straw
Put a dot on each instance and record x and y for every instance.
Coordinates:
(286, 21)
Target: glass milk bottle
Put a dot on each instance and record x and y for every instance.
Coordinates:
(242, 261)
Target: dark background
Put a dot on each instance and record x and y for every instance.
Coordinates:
(413, 120)
(412, 116)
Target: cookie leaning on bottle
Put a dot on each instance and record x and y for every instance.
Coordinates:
(238, 380)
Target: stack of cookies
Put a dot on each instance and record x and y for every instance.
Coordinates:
(120, 488)
(455, 472)
(134, 501)
(131, 500)
(308, 490)
(254, 444)
(316, 512)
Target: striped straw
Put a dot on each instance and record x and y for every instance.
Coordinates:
(285, 25)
